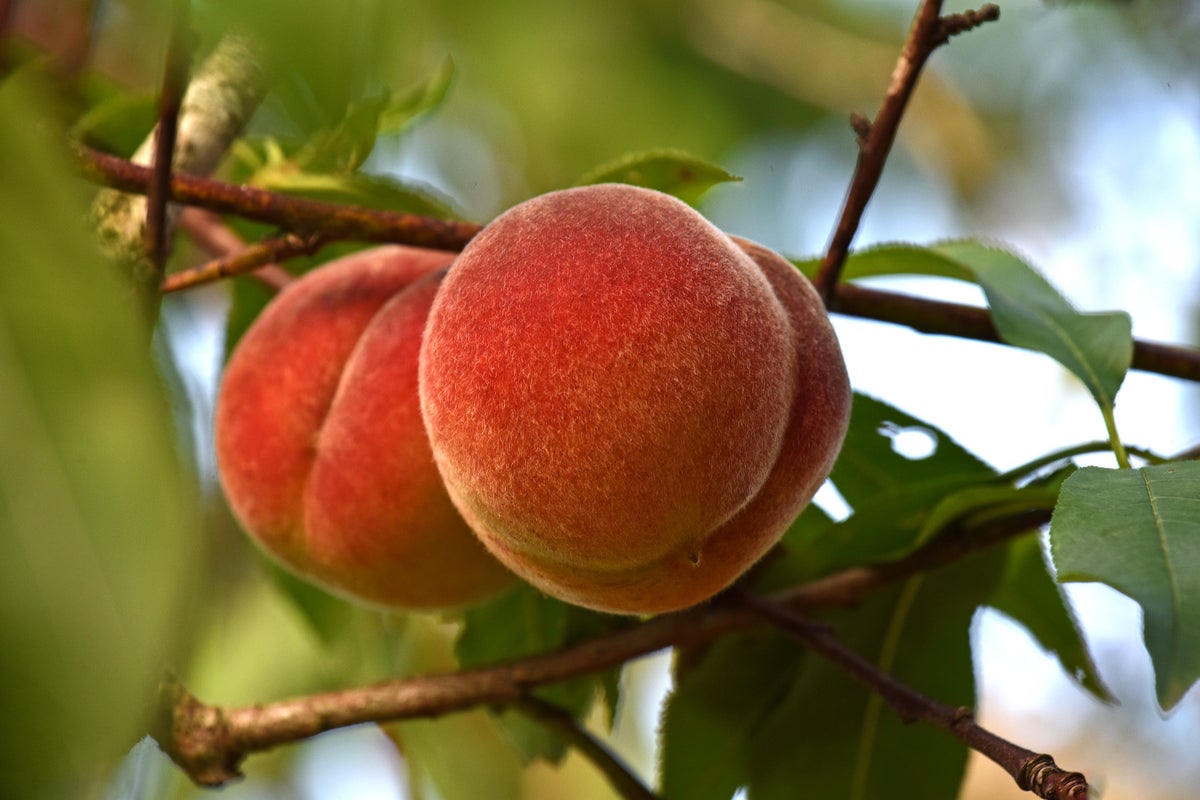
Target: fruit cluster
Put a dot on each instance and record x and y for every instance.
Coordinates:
(603, 392)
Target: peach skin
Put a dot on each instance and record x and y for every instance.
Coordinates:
(628, 406)
(320, 444)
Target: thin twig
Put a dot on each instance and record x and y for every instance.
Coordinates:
(619, 775)
(251, 258)
(209, 742)
(220, 241)
(1033, 772)
(928, 31)
(170, 100)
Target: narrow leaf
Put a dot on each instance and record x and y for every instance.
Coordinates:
(357, 188)
(403, 108)
(1138, 530)
(893, 259)
(673, 172)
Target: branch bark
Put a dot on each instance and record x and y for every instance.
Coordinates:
(929, 31)
(209, 742)
(342, 222)
(1033, 772)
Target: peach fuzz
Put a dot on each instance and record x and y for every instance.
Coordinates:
(628, 406)
(320, 445)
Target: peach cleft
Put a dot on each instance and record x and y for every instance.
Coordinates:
(321, 447)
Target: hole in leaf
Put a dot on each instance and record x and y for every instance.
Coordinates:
(914, 442)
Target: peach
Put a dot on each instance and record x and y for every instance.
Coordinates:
(320, 444)
(628, 406)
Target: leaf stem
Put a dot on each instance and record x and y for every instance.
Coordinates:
(1098, 446)
(1110, 422)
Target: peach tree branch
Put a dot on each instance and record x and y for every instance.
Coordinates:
(929, 31)
(249, 258)
(209, 742)
(1032, 772)
(220, 241)
(296, 214)
(345, 222)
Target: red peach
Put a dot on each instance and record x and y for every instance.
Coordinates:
(628, 406)
(320, 444)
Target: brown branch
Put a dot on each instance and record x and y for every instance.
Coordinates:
(972, 322)
(875, 139)
(220, 241)
(337, 221)
(1032, 771)
(209, 742)
(249, 259)
(296, 214)
(618, 774)
(170, 101)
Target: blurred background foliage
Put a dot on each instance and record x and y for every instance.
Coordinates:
(1069, 130)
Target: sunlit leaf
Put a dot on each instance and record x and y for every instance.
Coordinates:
(355, 188)
(893, 259)
(1138, 530)
(403, 108)
(669, 171)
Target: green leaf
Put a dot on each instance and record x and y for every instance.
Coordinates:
(831, 738)
(893, 259)
(404, 108)
(344, 147)
(523, 622)
(97, 521)
(671, 171)
(1030, 313)
(720, 699)
(892, 495)
(357, 188)
(1138, 530)
(1027, 310)
(1028, 595)
(870, 465)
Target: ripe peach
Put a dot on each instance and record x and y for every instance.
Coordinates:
(320, 444)
(628, 406)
